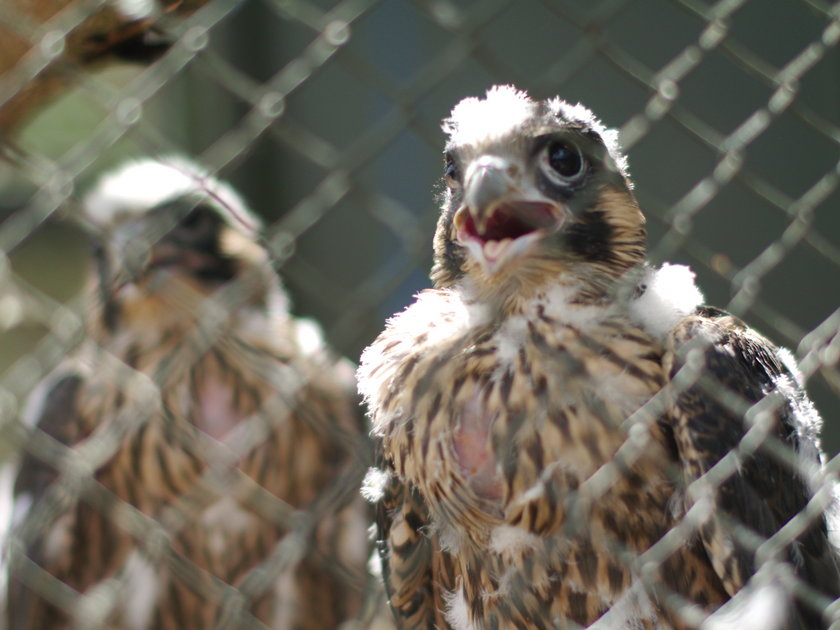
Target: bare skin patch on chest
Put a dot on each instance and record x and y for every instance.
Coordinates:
(217, 414)
(471, 443)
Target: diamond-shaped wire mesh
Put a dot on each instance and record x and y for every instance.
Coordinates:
(325, 115)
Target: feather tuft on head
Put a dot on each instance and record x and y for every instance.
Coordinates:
(143, 184)
(501, 111)
(505, 110)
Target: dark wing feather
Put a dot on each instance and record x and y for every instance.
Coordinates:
(58, 421)
(766, 489)
(407, 555)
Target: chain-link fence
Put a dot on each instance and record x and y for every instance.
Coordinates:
(325, 115)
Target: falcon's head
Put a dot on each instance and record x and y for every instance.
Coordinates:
(169, 237)
(536, 192)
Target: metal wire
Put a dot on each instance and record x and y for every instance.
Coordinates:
(325, 115)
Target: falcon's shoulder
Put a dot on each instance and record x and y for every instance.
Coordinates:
(748, 442)
(55, 418)
(304, 375)
(52, 413)
(406, 551)
(415, 344)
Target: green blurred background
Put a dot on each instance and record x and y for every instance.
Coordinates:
(344, 168)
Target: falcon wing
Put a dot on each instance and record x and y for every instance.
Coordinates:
(406, 552)
(764, 487)
(58, 421)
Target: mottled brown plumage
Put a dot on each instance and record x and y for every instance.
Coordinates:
(201, 403)
(546, 414)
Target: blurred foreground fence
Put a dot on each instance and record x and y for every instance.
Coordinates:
(325, 115)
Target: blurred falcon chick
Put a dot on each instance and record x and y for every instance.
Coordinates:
(566, 435)
(202, 403)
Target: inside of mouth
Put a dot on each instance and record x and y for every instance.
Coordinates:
(511, 221)
(205, 265)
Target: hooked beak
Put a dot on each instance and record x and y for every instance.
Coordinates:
(194, 250)
(488, 181)
(500, 220)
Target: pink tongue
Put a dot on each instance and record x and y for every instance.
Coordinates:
(472, 448)
(517, 218)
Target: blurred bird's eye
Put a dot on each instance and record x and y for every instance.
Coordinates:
(565, 160)
(451, 172)
(197, 219)
(192, 220)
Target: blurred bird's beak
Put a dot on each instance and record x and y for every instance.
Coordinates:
(500, 218)
(135, 42)
(158, 243)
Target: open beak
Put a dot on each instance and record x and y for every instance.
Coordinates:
(500, 219)
(200, 258)
(146, 246)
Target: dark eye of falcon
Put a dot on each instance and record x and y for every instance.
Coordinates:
(564, 160)
(200, 227)
(451, 172)
(197, 219)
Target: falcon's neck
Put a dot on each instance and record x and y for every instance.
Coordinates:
(654, 298)
(565, 291)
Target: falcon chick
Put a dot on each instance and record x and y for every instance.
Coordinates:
(202, 404)
(567, 437)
